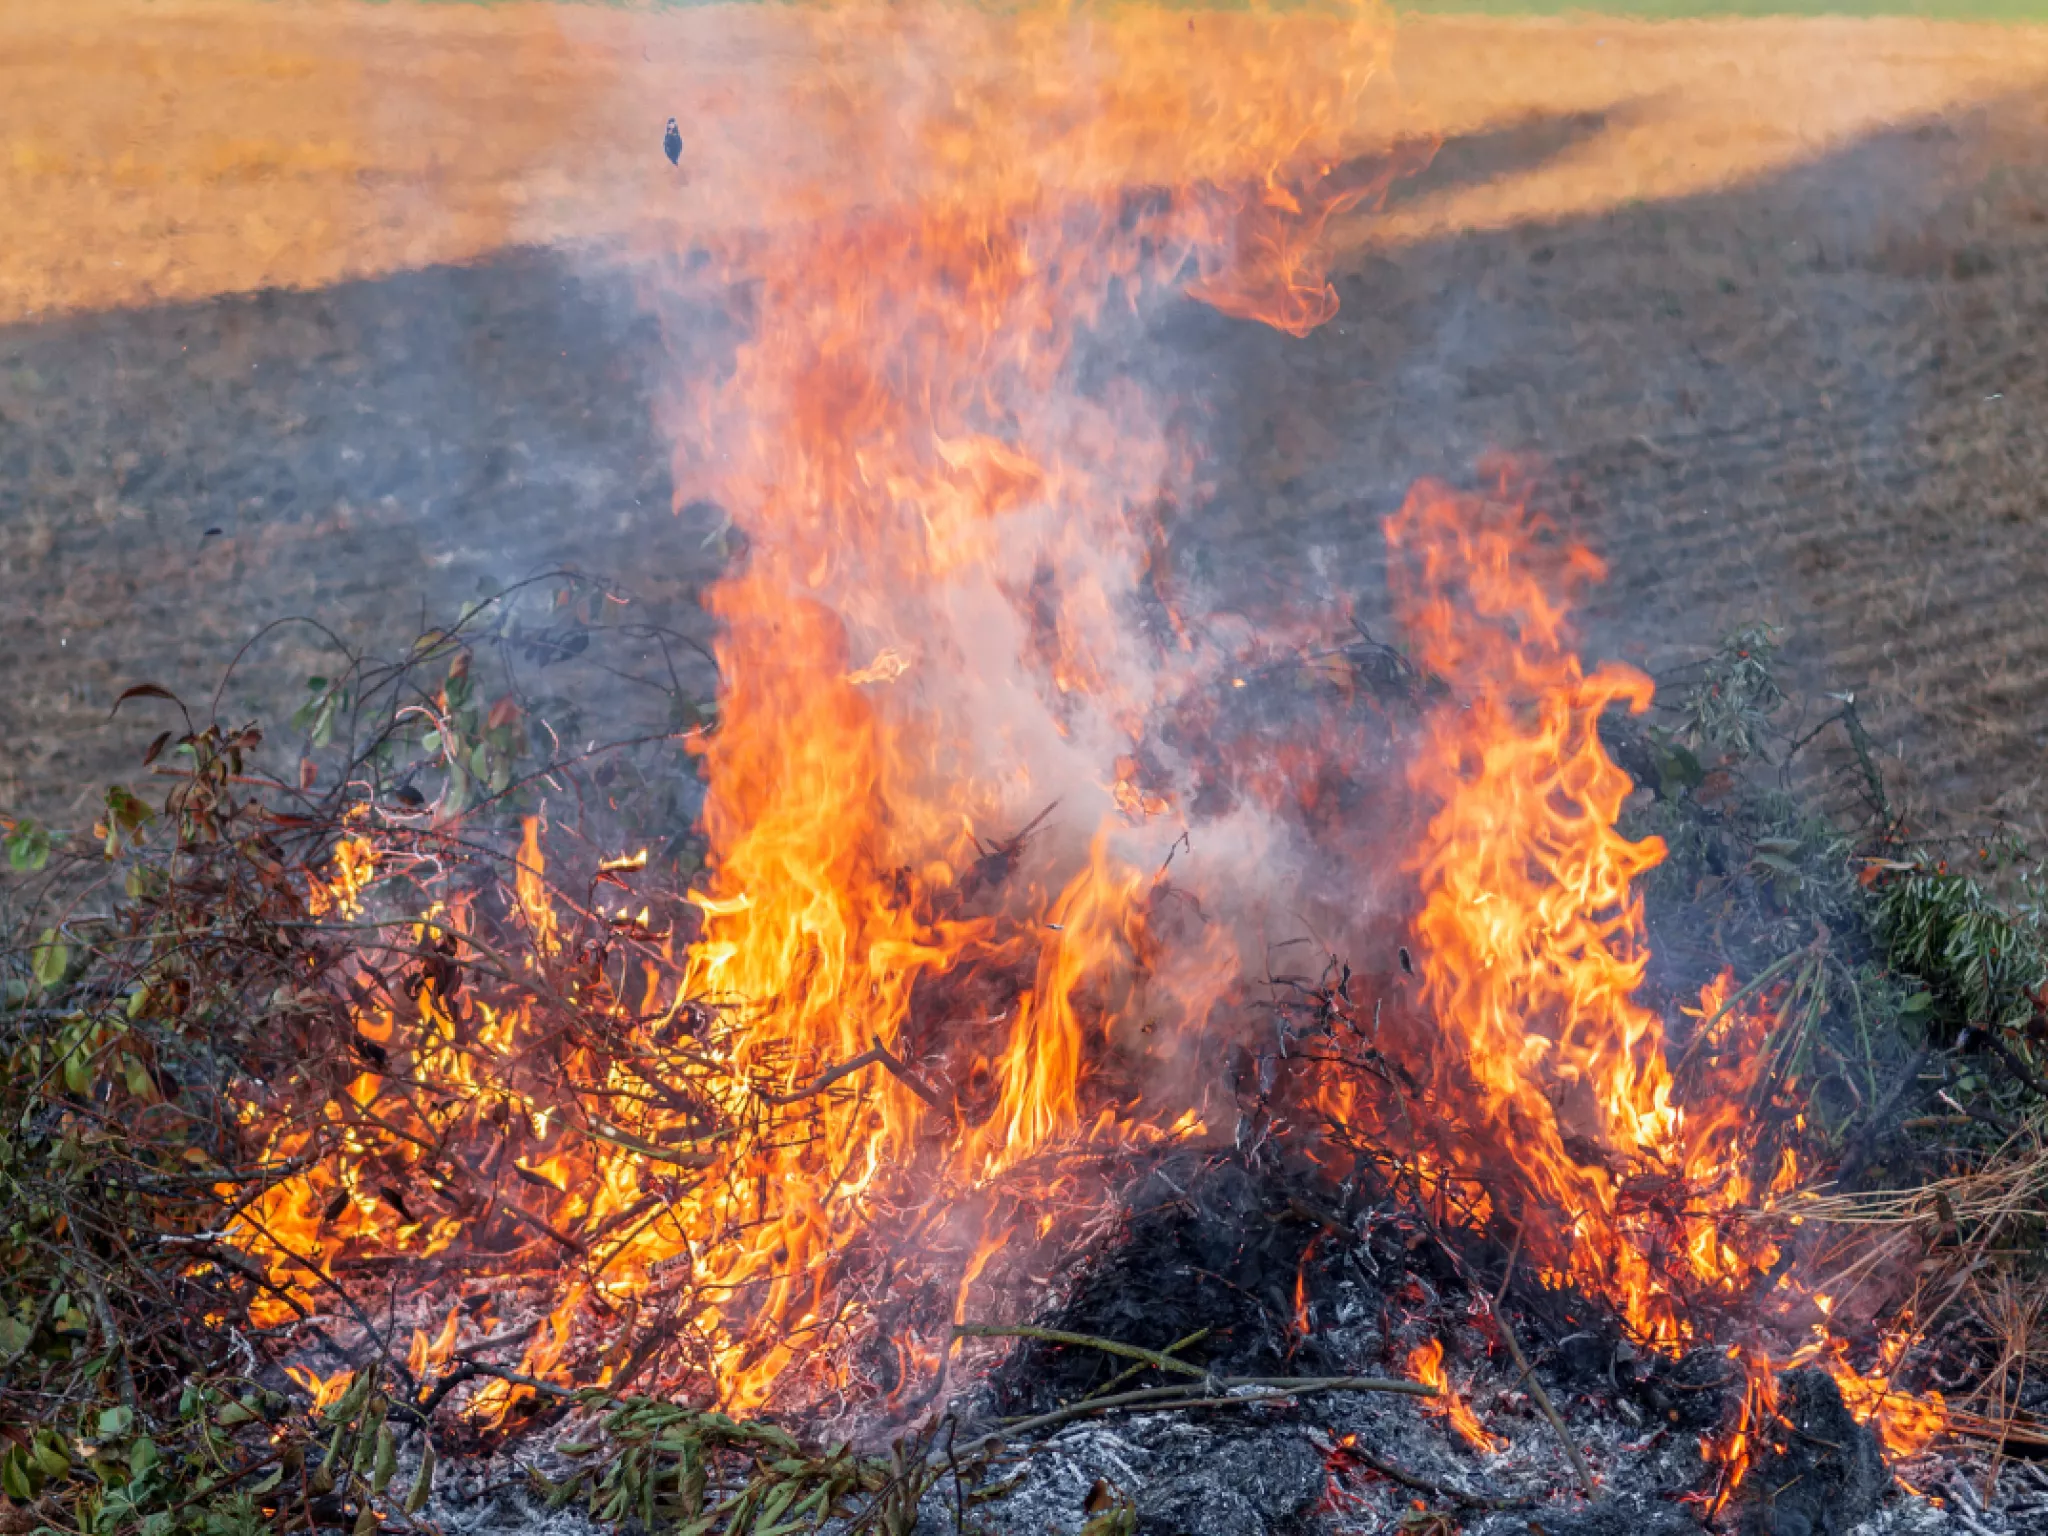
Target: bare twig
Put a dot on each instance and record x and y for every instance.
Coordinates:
(1528, 1376)
(877, 1055)
(1125, 1375)
(1258, 1390)
(1151, 1357)
(1434, 1489)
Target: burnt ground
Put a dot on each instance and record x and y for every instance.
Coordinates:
(1812, 396)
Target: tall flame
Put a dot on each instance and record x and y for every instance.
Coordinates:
(1530, 935)
(924, 480)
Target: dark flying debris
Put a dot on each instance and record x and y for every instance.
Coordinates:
(672, 143)
(211, 533)
(1407, 962)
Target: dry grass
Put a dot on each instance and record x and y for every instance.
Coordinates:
(185, 148)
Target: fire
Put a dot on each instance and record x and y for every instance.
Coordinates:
(928, 644)
(918, 476)
(1554, 1106)
(939, 948)
(1904, 1425)
(354, 869)
(1625, 1175)
(1757, 1417)
(1570, 1124)
(1426, 1365)
(322, 1391)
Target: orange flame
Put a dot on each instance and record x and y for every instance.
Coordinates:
(917, 475)
(1426, 1365)
(1735, 1452)
(1904, 1425)
(354, 864)
(1530, 939)
(903, 440)
(1627, 1178)
(324, 1391)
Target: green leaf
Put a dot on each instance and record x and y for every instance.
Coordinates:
(367, 1521)
(142, 1455)
(1917, 1004)
(14, 1476)
(1676, 767)
(14, 1336)
(78, 1067)
(116, 1421)
(51, 1454)
(49, 960)
(28, 847)
(385, 1467)
(423, 1482)
(268, 1481)
(349, 1405)
(777, 1501)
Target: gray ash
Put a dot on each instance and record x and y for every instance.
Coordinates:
(1294, 1274)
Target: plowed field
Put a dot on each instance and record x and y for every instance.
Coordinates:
(1760, 304)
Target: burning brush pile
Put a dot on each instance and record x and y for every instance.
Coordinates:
(1118, 1062)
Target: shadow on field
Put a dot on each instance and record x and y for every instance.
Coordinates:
(1813, 399)
(369, 454)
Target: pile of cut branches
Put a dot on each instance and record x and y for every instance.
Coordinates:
(213, 1120)
(285, 1026)
(204, 1017)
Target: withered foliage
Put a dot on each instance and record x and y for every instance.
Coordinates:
(183, 1023)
